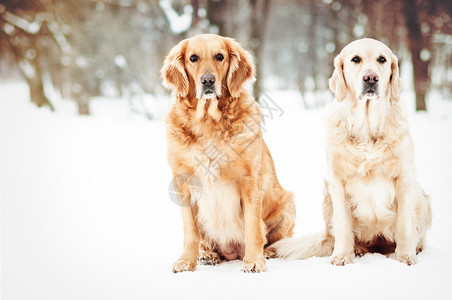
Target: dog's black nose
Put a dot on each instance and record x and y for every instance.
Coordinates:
(207, 79)
(370, 77)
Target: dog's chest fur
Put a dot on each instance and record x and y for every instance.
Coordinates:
(368, 158)
(373, 206)
(370, 188)
(210, 159)
(220, 212)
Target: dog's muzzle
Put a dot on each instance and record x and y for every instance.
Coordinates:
(208, 88)
(370, 84)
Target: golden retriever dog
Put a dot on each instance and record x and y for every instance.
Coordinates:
(214, 134)
(372, 201)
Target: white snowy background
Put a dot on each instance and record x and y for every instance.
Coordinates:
(85, 210)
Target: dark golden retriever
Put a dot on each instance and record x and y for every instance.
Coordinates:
(214, 134)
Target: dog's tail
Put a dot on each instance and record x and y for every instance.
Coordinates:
(320, 244)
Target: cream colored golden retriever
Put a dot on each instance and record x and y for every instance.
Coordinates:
(372, 201)
(214, 133)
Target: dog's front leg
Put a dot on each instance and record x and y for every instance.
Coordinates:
(405, 231)
(188, 259)
(342, 225)
(255, 239)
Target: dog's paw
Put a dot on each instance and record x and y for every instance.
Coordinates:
(269, 253)
(360, 251)
(406, 259)
(184, 265)
(254, 266)
(209, 258)
(342, 259)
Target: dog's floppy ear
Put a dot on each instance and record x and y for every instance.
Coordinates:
(394, 80)
(173, 73)
(241, 68)
(337, 82)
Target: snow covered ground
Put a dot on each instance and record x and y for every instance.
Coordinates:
(85, 211)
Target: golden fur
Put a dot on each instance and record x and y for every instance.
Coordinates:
(372, 201)
(243, 207)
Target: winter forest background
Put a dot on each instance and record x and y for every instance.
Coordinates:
(90, 49)
(85, 210)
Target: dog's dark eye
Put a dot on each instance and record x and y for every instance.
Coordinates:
(219, 57)
(194, 58)
(356, 59)
(381, 59)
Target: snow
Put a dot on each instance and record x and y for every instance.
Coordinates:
(85, 210)
(178, 23)
(29, 27)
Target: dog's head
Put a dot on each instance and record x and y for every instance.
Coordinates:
(365, 69)
(207, 66)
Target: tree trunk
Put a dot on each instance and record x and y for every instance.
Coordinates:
(312, 40)
(195, 5)
(83, 105)
(33, 78)
(416, 42)
(259, 16)
(215, 14)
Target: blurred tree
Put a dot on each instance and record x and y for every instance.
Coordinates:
(417, 43)
(384, 22)
(441, 22)
(312, 38)
(215, 13)
(259, 15)
(23, 25)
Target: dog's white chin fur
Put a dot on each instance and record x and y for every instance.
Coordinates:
(209, 96)
(204, 96)
(369, 96)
